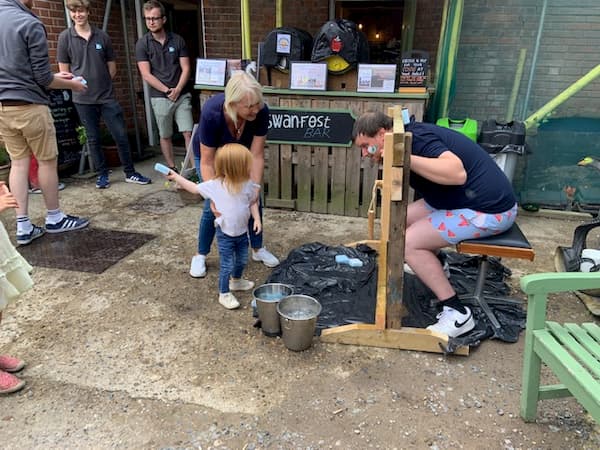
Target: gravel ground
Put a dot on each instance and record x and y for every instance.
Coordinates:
(142, 356)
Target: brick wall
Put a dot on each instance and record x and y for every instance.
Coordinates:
(491, 38)
(223, 26)
(52, 14)
(492, 35)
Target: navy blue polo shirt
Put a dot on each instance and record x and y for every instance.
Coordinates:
(214, 132)
(88, 59)
(487, 188)
(163, 59)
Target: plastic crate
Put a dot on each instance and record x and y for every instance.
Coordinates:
(468, 127)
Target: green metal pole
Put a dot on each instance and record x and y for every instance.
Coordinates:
(515, 89)
(408, 25)
(278, 13)
(246, 44)
(540, 114)
(452, 52)
(439, 56)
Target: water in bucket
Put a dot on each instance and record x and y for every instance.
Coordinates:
(267, 297)
(298, 316)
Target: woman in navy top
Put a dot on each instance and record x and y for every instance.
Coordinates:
(237, 116)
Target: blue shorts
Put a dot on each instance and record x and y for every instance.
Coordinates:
(456, 225)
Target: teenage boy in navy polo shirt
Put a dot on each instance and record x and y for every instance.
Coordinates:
(87, 51)
(164, 63)
(163, 60)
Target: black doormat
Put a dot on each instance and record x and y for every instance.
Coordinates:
(89, 250)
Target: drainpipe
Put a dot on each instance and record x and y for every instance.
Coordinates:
(107, 9)
(534, 60)
(203, 32)
(67, 15)
(130, 76)
(147, 105)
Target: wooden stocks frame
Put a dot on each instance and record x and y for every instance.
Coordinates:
(387, 331)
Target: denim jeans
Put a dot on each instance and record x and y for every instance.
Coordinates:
(233, 257)
(113, 118)
(206, 231)
(197, 162)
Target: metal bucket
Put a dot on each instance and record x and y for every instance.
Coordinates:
(298, 314)
(267, 297)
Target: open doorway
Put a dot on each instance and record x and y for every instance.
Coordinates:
(380, 21)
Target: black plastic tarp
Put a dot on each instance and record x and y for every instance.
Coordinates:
(348, 294)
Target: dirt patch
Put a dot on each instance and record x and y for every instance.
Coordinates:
(143, 356)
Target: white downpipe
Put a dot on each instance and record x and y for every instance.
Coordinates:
(203, 28)
(107, 9)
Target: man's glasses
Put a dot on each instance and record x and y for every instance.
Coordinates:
(152, 19)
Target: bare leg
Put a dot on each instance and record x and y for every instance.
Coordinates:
(187, 136)
(19, 183)
(48, 179)
(421, 246)
(166, 146)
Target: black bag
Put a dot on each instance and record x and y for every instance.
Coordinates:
(300, 45)
(341, 38)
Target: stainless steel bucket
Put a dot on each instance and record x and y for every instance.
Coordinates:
(298, 315)
(267, 297)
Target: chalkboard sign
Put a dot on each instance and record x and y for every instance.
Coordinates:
(413, 69)
(66, 121)
(310, 127)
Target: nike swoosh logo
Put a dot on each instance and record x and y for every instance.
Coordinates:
(458, 324)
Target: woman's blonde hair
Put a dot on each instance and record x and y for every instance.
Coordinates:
(240, 86)
(232, 165)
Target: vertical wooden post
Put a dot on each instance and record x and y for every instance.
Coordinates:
(396, 169)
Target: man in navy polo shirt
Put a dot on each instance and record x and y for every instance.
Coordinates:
(87, 52)
(164, 63)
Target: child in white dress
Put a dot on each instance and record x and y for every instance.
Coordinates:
(14, 279)
(234, 197)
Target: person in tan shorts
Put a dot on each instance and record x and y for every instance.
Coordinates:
(26, 124)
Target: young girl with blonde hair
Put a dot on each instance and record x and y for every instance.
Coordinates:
(233, 199)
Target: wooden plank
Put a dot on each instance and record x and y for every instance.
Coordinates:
(320, 172)
(286, 175)
(588, 342)
(352, 198)
(320, 167)
(574, 347)
(273, 172)
(405, 339)
(303, 177)
(338, 180)
(495, 250)
(592, 329)
(397, 226)
(280, 203)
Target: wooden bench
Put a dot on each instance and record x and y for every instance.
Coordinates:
(510, 244)
(571, 351)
